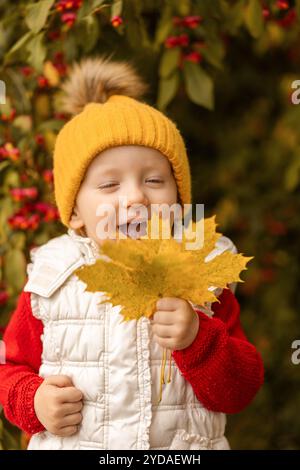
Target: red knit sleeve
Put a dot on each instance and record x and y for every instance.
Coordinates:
(223, 367)
(19, 377)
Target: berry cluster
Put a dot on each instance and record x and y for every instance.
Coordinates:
(68, 10)
(190, 49)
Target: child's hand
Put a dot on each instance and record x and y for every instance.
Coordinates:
(57, 404)
(175, 325)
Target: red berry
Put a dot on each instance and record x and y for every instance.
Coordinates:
(275, 227)
(3, 299)
(266, 13)
(26, 71)
(192, 21)
(282, 4)
(42, 81)
(48, 176)
(54, 35)
(64, 5)
(9, 151)
(177, 21)
(268, 274)
(60, 116)
(20, 194)
(195, 57)
(288, 19)
(40, 139)
(171, 42)
(174, 41)
(69, 18)
(9, 117)
(116, 21)
(183, 40)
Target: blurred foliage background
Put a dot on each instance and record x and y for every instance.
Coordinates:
(224, 71)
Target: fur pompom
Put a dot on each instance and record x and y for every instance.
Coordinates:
(94, 80)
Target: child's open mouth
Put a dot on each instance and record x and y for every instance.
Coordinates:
(134, 229)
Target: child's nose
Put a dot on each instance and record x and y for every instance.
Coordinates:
(136, 195)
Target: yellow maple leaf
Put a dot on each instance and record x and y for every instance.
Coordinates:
(134, 274)
(139, 272)
(51, 73)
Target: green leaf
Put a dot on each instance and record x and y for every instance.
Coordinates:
(169, 62)
(135, 27)
(92, 32)
(18, 240)
(70, 47)
(90, 8)
(167, 90)
(37, 52)
(37, 14)
(214, 53)
(116, 8)
(292, 174)
(41, 238)
(11, 179)
(23, 122)
(134, 33)
(97, 3)
(199, 85)
(18, 89)
(3, 165)
(50, 125)
(183, 7)
(232, 16)
(20, 43)
(254, 18)
(15, 269)
(164, 26)
(298, 8)
(6, 210)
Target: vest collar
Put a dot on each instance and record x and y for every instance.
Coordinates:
(56, 260)
(89, 248)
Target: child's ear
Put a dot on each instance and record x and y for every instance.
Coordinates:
(76, 221)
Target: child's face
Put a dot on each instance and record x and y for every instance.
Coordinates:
(140, 174)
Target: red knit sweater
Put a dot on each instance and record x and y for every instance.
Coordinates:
(224, 369)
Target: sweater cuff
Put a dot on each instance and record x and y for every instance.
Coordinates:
(209, 328)
(27, 419)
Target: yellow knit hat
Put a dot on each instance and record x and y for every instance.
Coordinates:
(105, 94)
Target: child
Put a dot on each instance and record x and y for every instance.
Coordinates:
(76, 376)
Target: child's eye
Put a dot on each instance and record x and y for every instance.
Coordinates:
(154, 180)
(108, 185)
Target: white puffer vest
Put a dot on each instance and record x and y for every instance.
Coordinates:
(115, 365)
